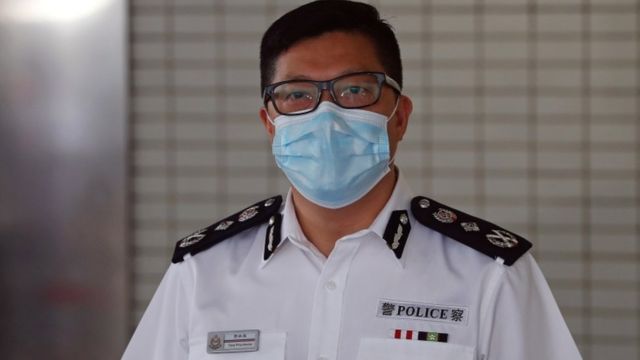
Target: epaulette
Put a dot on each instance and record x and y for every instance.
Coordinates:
(205, 238)
(488, 238)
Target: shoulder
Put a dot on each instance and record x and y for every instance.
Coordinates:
(226, 228)
(481, 235)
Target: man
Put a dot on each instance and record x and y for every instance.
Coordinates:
(350, 265)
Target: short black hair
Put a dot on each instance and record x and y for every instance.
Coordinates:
(323, 16)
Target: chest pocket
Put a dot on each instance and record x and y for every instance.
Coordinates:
(392, 349)
(271, 347)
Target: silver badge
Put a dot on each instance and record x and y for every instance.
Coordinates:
(193, 238)
(445, 216)
(404, 219)
(397, 237)
(502, 238)
(470, 226)
(424, 203)
(269, 202)
(215, 342)
(221, 342)
(223, 225)
(248, 214)
(270, 243)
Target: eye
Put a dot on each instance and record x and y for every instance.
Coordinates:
(353, 90)
(295, 92)
(355, 95)
(297, 95)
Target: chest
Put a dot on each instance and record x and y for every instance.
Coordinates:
(358, 305)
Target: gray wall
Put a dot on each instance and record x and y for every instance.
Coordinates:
(63, 182)
(526, 113)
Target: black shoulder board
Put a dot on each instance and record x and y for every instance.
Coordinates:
(205, 238)
(488, 238)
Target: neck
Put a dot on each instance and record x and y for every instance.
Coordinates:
(323, 226)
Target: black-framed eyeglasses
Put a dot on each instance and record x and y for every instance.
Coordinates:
(350, 91)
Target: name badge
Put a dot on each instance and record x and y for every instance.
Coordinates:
(219, 342)
(450, 314)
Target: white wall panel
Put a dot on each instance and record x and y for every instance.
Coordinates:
(526, 113)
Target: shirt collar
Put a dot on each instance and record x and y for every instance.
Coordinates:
(400, 200)
(290, 230)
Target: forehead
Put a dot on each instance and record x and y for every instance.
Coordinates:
(327, 56)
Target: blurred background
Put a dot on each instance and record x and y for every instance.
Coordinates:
(126, 125)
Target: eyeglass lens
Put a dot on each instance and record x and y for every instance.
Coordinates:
(352, 91)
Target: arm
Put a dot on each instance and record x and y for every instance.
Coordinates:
(523, 321)
(162, 333)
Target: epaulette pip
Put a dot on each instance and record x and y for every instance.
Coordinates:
(205, 238)
(488, 238)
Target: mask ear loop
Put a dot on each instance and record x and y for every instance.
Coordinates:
(269, 117)
(395, 108)
(393, 113)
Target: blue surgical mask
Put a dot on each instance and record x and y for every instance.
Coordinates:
(333, 156)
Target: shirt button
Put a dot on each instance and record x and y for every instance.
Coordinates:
(330, 285)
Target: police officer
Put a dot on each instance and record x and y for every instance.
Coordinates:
(350, 265)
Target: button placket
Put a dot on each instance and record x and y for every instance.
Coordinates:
(330, 285)
(326, 318)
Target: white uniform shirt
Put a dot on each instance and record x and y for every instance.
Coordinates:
(355, 303)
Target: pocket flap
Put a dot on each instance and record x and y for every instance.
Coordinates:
(393, 349)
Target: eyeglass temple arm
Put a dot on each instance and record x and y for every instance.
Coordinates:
(394, 84)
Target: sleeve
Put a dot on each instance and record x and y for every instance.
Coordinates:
(525, 322)
(162, 334)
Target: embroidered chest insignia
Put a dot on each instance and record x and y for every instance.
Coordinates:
(450, 314)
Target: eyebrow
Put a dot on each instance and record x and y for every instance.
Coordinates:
(295, 76)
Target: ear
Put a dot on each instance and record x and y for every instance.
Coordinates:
(264, 117)
(401, 120)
